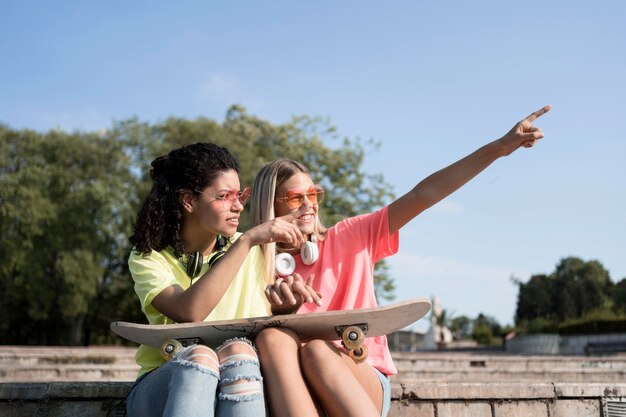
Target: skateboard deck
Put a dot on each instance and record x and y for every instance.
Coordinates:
(350, 326)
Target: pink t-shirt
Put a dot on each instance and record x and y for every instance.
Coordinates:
(344, 273)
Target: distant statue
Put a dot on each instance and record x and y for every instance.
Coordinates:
(439, 334)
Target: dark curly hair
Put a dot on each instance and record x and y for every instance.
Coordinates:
(189, 168)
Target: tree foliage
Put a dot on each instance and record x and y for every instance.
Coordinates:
(68, 203)
(64, 221)
(575, 289)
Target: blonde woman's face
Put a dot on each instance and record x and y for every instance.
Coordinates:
(294, 193)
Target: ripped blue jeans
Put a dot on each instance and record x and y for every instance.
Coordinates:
(200, 382)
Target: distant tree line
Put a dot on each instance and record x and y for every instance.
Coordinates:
(577, 290)
(578, 297)
(68, 203)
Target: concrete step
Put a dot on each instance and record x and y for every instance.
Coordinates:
(472, 367)
(73, 372)
(60, 363)
(454, 362)
(35, 355)
(510, 376)
(115, 363)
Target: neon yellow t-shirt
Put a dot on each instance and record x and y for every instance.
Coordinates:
(156, 271)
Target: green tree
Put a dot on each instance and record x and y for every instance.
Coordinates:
(482, 334)
(619, 296)
(575, 289)
(64, 220)
(485, 328)
(535, 298)
(461, 326)
(580, 287)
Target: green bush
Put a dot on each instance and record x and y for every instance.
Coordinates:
(587, 326)
(537, 325)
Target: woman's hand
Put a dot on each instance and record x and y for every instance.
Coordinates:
(523, 134)
(288, 294)
(281, 229)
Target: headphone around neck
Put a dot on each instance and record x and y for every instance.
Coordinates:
(195, 261)
(285, 263)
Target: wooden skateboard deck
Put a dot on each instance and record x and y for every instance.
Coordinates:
(329, 325)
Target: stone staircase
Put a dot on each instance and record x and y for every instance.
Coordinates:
(117, 363)
(490, 367)
(94, 381)
(61, 363)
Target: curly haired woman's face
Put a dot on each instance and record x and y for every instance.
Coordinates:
(215, 211)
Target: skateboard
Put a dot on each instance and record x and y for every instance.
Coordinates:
(349, 326)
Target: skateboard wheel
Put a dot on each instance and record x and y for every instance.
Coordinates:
(169, 348)
(359, 355)
(352, 337)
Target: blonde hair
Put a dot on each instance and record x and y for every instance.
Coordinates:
(270, 177)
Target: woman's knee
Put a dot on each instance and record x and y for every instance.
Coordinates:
(315, 355)
(236, 348)
(201, 356)
(240, 373)
(272, 340)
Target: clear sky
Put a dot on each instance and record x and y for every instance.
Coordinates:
(430, 80)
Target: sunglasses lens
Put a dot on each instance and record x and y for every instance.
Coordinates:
(244, 196)
(295, 201)
(314, 195)
(319, 194)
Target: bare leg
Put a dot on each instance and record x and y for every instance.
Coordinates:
(286, 390)
(343, 386)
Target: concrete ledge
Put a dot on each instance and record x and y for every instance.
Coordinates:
(419, 399)
(62, 399)
(67, 390)
(424, 390)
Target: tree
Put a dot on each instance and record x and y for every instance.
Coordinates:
(461, 326)
(64, 220)
(535, 298)
(619, 296)
(575, 289)
(580, 287)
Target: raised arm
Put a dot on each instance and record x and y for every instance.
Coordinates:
(444, 182)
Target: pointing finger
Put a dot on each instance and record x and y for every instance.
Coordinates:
(295, 214)
(535, 115)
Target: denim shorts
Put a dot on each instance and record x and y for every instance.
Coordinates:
(386, 385)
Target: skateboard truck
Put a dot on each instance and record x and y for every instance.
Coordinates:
(171, 347)
(352, 337)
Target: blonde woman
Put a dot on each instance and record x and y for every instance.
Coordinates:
(318, 377)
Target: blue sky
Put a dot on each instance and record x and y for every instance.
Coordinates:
(432, 81)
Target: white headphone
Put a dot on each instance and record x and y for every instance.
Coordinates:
(285, 263)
